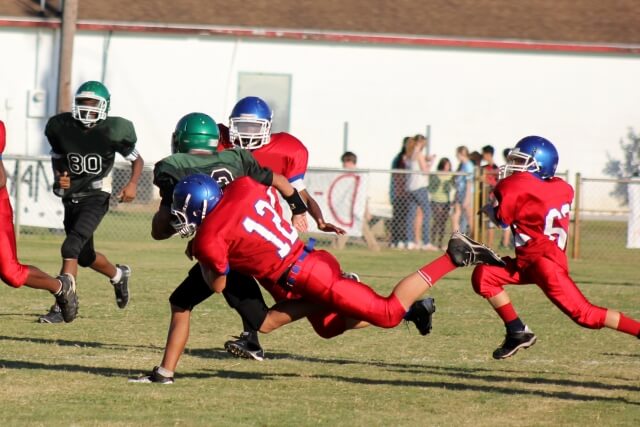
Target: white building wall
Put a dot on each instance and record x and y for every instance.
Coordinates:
(584, 103)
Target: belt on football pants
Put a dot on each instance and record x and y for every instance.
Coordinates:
(293, 271)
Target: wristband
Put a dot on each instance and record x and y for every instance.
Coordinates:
(295, 202)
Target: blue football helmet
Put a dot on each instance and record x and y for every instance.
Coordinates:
(193, 198)
(533, 154)
(250, 123)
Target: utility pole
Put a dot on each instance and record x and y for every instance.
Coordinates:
(68, 32)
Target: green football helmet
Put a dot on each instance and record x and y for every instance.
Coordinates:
(91, 103)
(195, 132)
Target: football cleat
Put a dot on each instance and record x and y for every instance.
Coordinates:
(513, 342)
(242, 347)
(351, 275)
(464, 251)
(153, 377)
(53, 316)
(121, 288)
(67, 301)
(420, 314)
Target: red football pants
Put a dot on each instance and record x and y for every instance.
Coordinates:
(320, 280)
(11, 271)
(554, 280)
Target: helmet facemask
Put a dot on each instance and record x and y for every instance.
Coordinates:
(89, 108)
(183, 226)
(249, 132)
(518, 161)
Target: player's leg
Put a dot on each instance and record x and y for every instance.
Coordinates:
(320, 274)
(242, 293)
(16, 274)
(191, 292)
(556, 283)
(488, 282)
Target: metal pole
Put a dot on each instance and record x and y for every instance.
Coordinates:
(68, 31)
(576, 218)
(345, 137)
(427, 135)
(18, 202)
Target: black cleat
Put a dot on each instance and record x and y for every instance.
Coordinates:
(121, 288)
(465, 251)
(153, 377)
(53, 316)
(67, 301)
(513, 342)
(420, 313)
(351, 275)
(242, 347)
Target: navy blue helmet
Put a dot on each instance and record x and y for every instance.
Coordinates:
(193, 198)
(250, 123)
(533, 154)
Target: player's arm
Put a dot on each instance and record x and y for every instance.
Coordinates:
(3, 174)
(216, 281)
(128, 192)
(316, 214)
(161, 227)
(293, 198)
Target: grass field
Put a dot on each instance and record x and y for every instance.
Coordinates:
(76, 374)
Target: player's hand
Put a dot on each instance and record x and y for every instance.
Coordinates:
(189, 250)
(490, 211)
(330, 228)
(300, 222)
(128, 193)
(64, 180)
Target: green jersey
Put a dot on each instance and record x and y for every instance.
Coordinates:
(223, 166)
(88, 154)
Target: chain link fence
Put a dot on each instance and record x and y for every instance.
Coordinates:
(374, 206)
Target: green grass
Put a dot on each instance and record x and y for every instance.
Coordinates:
(75, 374)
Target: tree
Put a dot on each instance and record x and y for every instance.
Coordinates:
(627, 168)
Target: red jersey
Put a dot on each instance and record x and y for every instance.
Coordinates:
(538, 212)
(284, 154)
(244, 233)
(3, 137)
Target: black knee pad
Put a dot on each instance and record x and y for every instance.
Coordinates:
(243, 294)
(71, 247)
(192, 291)
(86, 258)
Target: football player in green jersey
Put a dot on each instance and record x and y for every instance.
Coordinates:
(84, 143)
(194, 144)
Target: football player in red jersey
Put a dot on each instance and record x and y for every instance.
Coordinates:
(242, 231)
(536, 205)
(15, 274)
(250, 129)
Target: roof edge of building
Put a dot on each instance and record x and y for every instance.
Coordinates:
(330, 36)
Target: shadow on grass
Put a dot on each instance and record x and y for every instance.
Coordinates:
(484, 374)
(74, 343)
(510, 391)
(93, 370)
(434, 384)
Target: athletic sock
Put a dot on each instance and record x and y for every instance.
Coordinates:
(510, 318)
(115, 279)
(59, 291)
(437, 268)
(165, 372)
(629, 326)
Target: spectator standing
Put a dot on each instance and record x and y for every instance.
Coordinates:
(418, 194)
(507, 240)
(398, 198)
(349, 160)
(489, 172)
(463, 200)
(440, 186)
